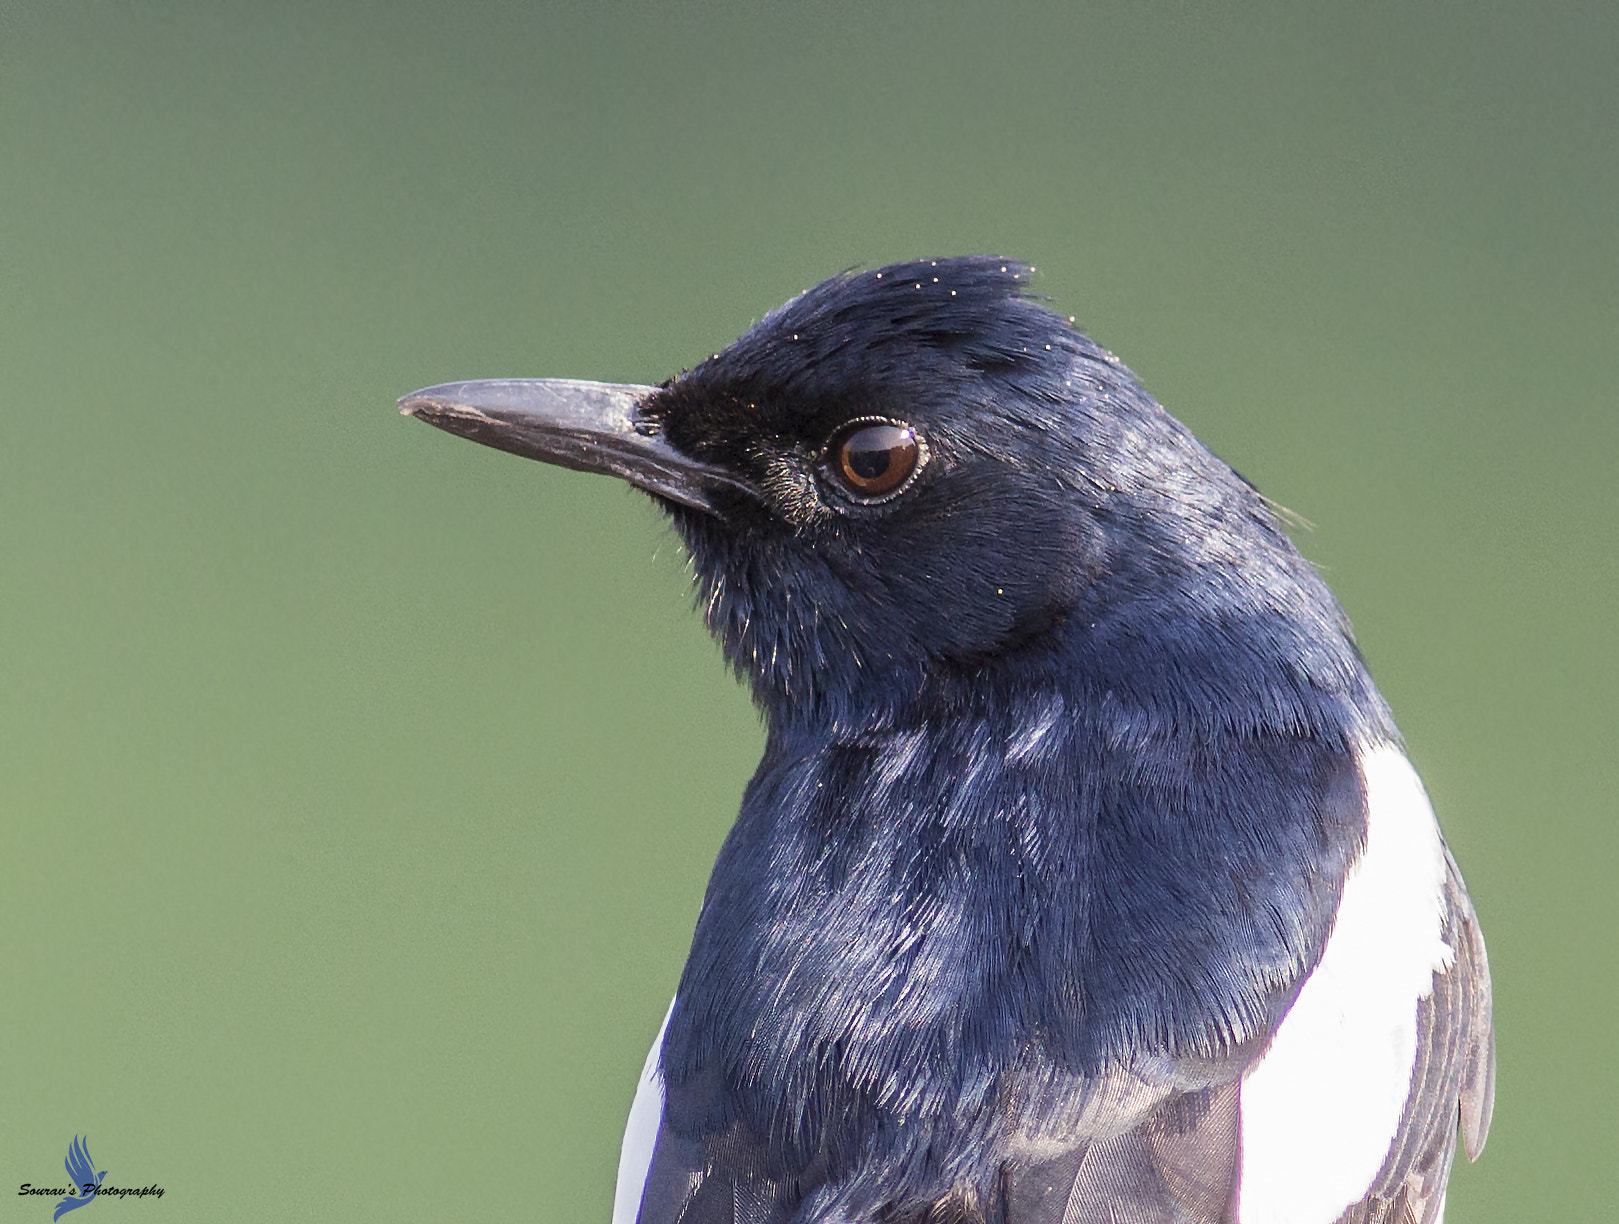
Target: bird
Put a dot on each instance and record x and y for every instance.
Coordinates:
(1084, 878)
(81, 1175)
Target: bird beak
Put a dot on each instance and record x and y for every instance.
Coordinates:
(586, 426)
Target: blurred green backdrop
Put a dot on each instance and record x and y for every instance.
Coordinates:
(358, 785)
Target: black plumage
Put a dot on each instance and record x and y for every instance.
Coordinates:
(1061, 789)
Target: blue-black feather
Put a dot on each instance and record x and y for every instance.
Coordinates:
(1059, 775)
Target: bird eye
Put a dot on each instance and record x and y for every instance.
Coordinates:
(873, 459)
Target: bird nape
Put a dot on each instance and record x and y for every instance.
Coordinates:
(1083, 877)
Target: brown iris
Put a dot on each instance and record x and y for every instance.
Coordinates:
(872, 459)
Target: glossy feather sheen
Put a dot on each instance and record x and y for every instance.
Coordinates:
(1357, 1093)
(1065, 820)
(1066, 890)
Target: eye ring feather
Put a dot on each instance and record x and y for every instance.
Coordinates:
(872, 460)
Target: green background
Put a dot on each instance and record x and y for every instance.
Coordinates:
(358, 785)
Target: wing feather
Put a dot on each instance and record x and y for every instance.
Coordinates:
(1452, 1084)
(1178, 1167)
(1182, 1165)
(1478, 1070)
(641, 1133)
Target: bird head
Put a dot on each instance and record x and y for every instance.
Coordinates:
(919, 482)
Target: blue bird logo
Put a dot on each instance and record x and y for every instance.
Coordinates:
(82, 1175)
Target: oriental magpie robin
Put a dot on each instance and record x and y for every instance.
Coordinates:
(1083, 878)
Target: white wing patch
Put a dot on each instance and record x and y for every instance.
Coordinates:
(1321, 1108)
(640, 1134)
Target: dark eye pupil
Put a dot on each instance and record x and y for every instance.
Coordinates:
(875, 459)
(869, 464)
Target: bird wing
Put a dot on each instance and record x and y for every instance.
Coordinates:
(1387, 1047)
(1179, 1167)
(1350, 1114)
(641, 1133)
(1183, 1166)
(1454, 1080)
